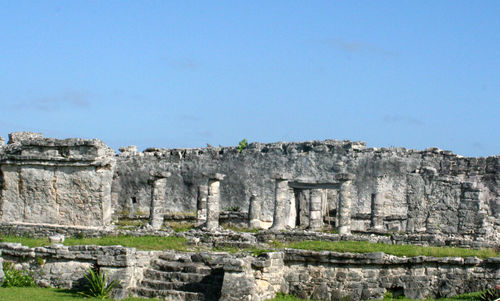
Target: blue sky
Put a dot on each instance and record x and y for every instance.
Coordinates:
(186, 73)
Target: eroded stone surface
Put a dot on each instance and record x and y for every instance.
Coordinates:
(51, 181)
(430, 192)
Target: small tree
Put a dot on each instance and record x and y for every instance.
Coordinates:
(242, 145)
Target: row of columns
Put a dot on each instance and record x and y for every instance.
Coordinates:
(284, 211)
(208, 202)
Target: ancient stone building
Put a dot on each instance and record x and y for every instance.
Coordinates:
(307, 185)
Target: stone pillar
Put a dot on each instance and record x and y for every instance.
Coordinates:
(158, 203)
(201, 213)
(2, 274)
(316, 210)
(377, 206)
(213, 201)
(282, 203)
(254, 212)
(344, 210)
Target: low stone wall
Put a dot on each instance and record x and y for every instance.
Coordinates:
(65, 266)
(395, 238)
(44, 230)
(333, 275)
(306, 274)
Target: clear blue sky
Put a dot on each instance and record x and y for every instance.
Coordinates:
(186, 73)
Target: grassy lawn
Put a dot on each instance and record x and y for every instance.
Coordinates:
(398, 250)
(139, 242)
(180, 244)
(464, 297)
(49, 294)
(45, 294)
(181, 226)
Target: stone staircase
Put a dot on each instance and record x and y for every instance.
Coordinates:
(183, 276)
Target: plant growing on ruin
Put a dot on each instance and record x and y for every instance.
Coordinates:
(242, 145)
(233, 209)
(98, 286)
(16, 278)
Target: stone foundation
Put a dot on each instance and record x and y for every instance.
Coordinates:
(306, 274)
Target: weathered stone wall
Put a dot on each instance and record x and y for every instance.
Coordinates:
(51, 181)
(306, 274)
(65, 267)
(332, 275)
(334, 184)
(393, 190)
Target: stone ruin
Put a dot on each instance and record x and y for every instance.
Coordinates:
(431, 197)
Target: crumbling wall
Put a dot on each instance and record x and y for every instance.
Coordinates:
(305, 274)
(334, 276)
(334, 184)
(51, 181)
(65, 266)
(393, 190)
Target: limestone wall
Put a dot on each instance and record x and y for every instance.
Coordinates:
(306, 274)
(51, 181)
(332, 275)
(393, 190)
(325, 184)
(65, 267)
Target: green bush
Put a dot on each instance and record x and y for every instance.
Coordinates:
(242, 145)
(233, 209)
(98, 286)
(490, 294)
(17, 278)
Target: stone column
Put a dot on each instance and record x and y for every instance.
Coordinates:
(201, 205)
(377, 218)
(2, 274)
(254, 212)
(213, 202)
(281, 203)
(316, 210)
(158, 203)
(344, 210)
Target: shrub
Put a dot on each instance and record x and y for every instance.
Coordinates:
(490, 294)
(242, 145)
(98, 286)
(17, 278)
(233, 209)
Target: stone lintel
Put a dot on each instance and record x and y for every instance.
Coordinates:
(282, 176)
(160, 174)
(217, 176)
(345, 176)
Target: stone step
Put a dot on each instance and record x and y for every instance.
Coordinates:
(171, 295)
(175, 266)
(178, 276)
(172, 256)
(196, 287)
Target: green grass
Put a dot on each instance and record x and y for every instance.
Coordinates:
(45, 294)
(139, 242)
(282, 297)
(180, 244)
(127, 223)
(181, 226)
(464, 297)
(398, 250)
(240, 229)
